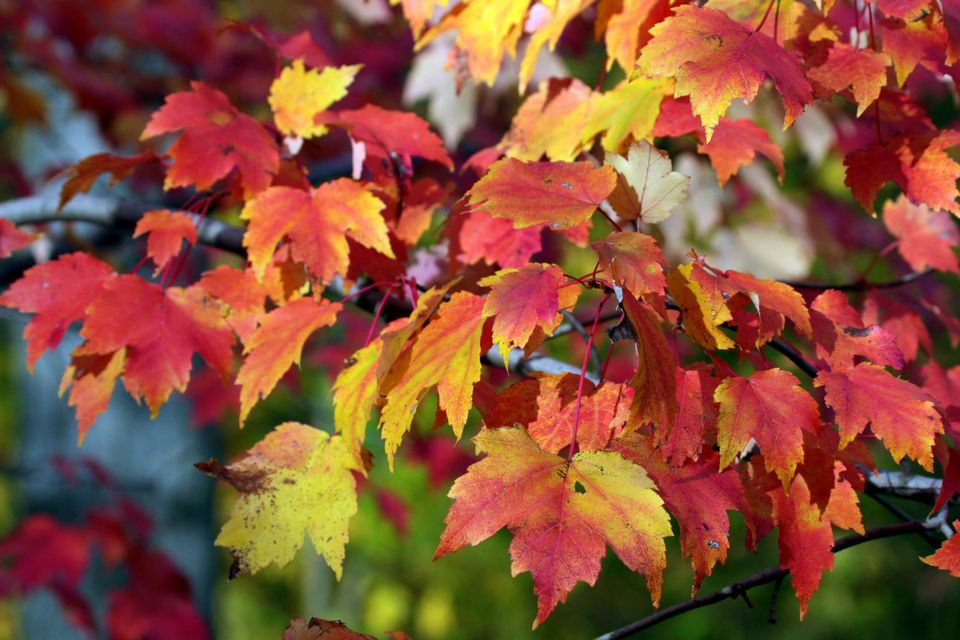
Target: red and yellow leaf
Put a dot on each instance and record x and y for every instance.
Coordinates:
(654, 383)
(841, 334)
(635, 261)
(703, 306)
(562, 515)
(735, 144)
(277, 344)
(445, 355)
(716, 60)
(317, 223)
(166, 231)
(602, 411)
(771, 407)
(295, 481)
(901, 414)
(215, 140)
(524, 300)
(559, 194)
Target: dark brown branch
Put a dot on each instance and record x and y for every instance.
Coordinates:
(861, 285)
(772, 574)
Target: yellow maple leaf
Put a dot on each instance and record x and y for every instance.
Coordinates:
(300, 94)
(446, 354)
(296, 480)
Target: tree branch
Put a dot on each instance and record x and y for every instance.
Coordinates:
(771, 574)
(861, 285)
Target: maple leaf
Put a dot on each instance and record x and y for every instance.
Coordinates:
(901, 414)
(318, 629)
(562, 514)
(774, 301)
(917, 163)
(652, 190)
(355, 391)
(12, 238)
(735, 144)
(486, 30)
(166, 230)
(317, 223)
(602, 411)
(160, 329)
(696, 416)
(702, 303)
(629, 110)
(446, 354)
(91, 378)
(806, 538)
(911, 43)
(277, 344)
(927, 238)
(635, 261)
(864, 70)
(947, 557)
(698, 496)
(385, 132)
(626, 30)
(495, 241)
(418, 12)
(58, 292)
(524, 300)
(716, 60)
(551, 122)
(298, 95)
(841, 335)
(560, 194)
(242, 295)
(902, 321)
(771, 407)
(654, 383)
(296, 480)
(82, 175)
(215, 140)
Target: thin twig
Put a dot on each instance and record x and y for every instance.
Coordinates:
(861, 286)
(575, 324)
(771, 574)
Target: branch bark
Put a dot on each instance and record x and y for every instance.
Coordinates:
(771, 574)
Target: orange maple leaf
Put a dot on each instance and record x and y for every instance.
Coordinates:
(635, 260)
(716, 60)
(698, 496)
(602, 411)
(445, 355)
(917, 163)
(560, 194)
(927, 238)
(947, 557)
(864, 70)
(166, 231)
(277, 344)
(562, 514)
(317, 223)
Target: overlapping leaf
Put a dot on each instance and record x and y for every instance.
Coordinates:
(215, 140)
(562, 515)
(295, 481)
(716, 60)
(317, 223)
(559, 194)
